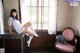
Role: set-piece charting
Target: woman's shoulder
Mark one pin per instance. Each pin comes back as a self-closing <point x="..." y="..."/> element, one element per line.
<point x="10" y="18"/>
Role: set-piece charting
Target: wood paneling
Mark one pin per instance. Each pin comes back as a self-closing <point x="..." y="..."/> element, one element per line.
<point x="43" y="41"/>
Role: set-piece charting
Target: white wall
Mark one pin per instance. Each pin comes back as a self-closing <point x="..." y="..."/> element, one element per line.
<point x="8" y="5"/>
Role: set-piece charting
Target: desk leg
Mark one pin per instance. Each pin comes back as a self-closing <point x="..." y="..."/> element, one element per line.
<point x="4" y="45"/>
<point x="22" y="45"/>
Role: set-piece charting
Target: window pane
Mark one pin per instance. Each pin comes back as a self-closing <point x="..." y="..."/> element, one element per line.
<point x="39" y="25"/>
<point x="26" y="2"/>
<point x="46" y="2"/>
<point x="42" y="16"/>
<point x="45" y="26"/>
<point x="45" y="19"/>
<point x="33" y="2"/>
<point x="33" y="14"/>
<point x="39" y="16"/>
<point x="42" y="13"/>
<point x="34" y="25"/>
<point x="40" y="2"/>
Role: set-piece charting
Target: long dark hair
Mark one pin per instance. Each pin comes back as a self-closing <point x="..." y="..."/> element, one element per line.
<point x="14" y="10"/>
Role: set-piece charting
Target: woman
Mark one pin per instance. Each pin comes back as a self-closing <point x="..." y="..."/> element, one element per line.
<point x="26" y="28"/>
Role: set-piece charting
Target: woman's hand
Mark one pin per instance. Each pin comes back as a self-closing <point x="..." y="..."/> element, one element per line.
<point x="12" y="33"/>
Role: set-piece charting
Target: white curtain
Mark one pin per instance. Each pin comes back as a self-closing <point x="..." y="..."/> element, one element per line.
<point x="52" y="17"/>
<point x="25" y="17"/>
<point x="1" y="18"/>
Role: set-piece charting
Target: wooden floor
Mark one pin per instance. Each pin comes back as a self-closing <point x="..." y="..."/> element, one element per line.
<point x="30" y="50"/>
<point x="40" y="50"/>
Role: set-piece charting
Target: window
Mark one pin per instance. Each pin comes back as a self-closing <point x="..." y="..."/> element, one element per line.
<point x="39" y="10"/>
<point x="42" y="14"/>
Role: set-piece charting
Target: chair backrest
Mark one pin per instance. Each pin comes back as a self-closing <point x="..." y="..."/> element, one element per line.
<point x="68" y="33"/>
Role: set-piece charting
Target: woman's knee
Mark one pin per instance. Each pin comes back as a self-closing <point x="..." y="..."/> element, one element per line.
<point x="29" y="23"/>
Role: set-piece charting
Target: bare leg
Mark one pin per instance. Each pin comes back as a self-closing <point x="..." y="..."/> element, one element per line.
<point x="27" y="25"/>
<point x="29" y="41"/>
<point x="30" y="32"/>
<point x="33" y="31"/>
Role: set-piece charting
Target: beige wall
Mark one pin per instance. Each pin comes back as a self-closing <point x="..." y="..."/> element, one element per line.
<point x="63" y="15"/>
<point x="68" y="16"/>
<point x="8" y="5"/>
<point x="75" y="19"/>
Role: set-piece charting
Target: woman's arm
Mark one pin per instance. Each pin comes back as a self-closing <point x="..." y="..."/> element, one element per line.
<point x="10" y="29"/>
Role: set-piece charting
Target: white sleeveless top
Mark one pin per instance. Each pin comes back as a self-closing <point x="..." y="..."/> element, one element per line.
<point x="16" y="24"/>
